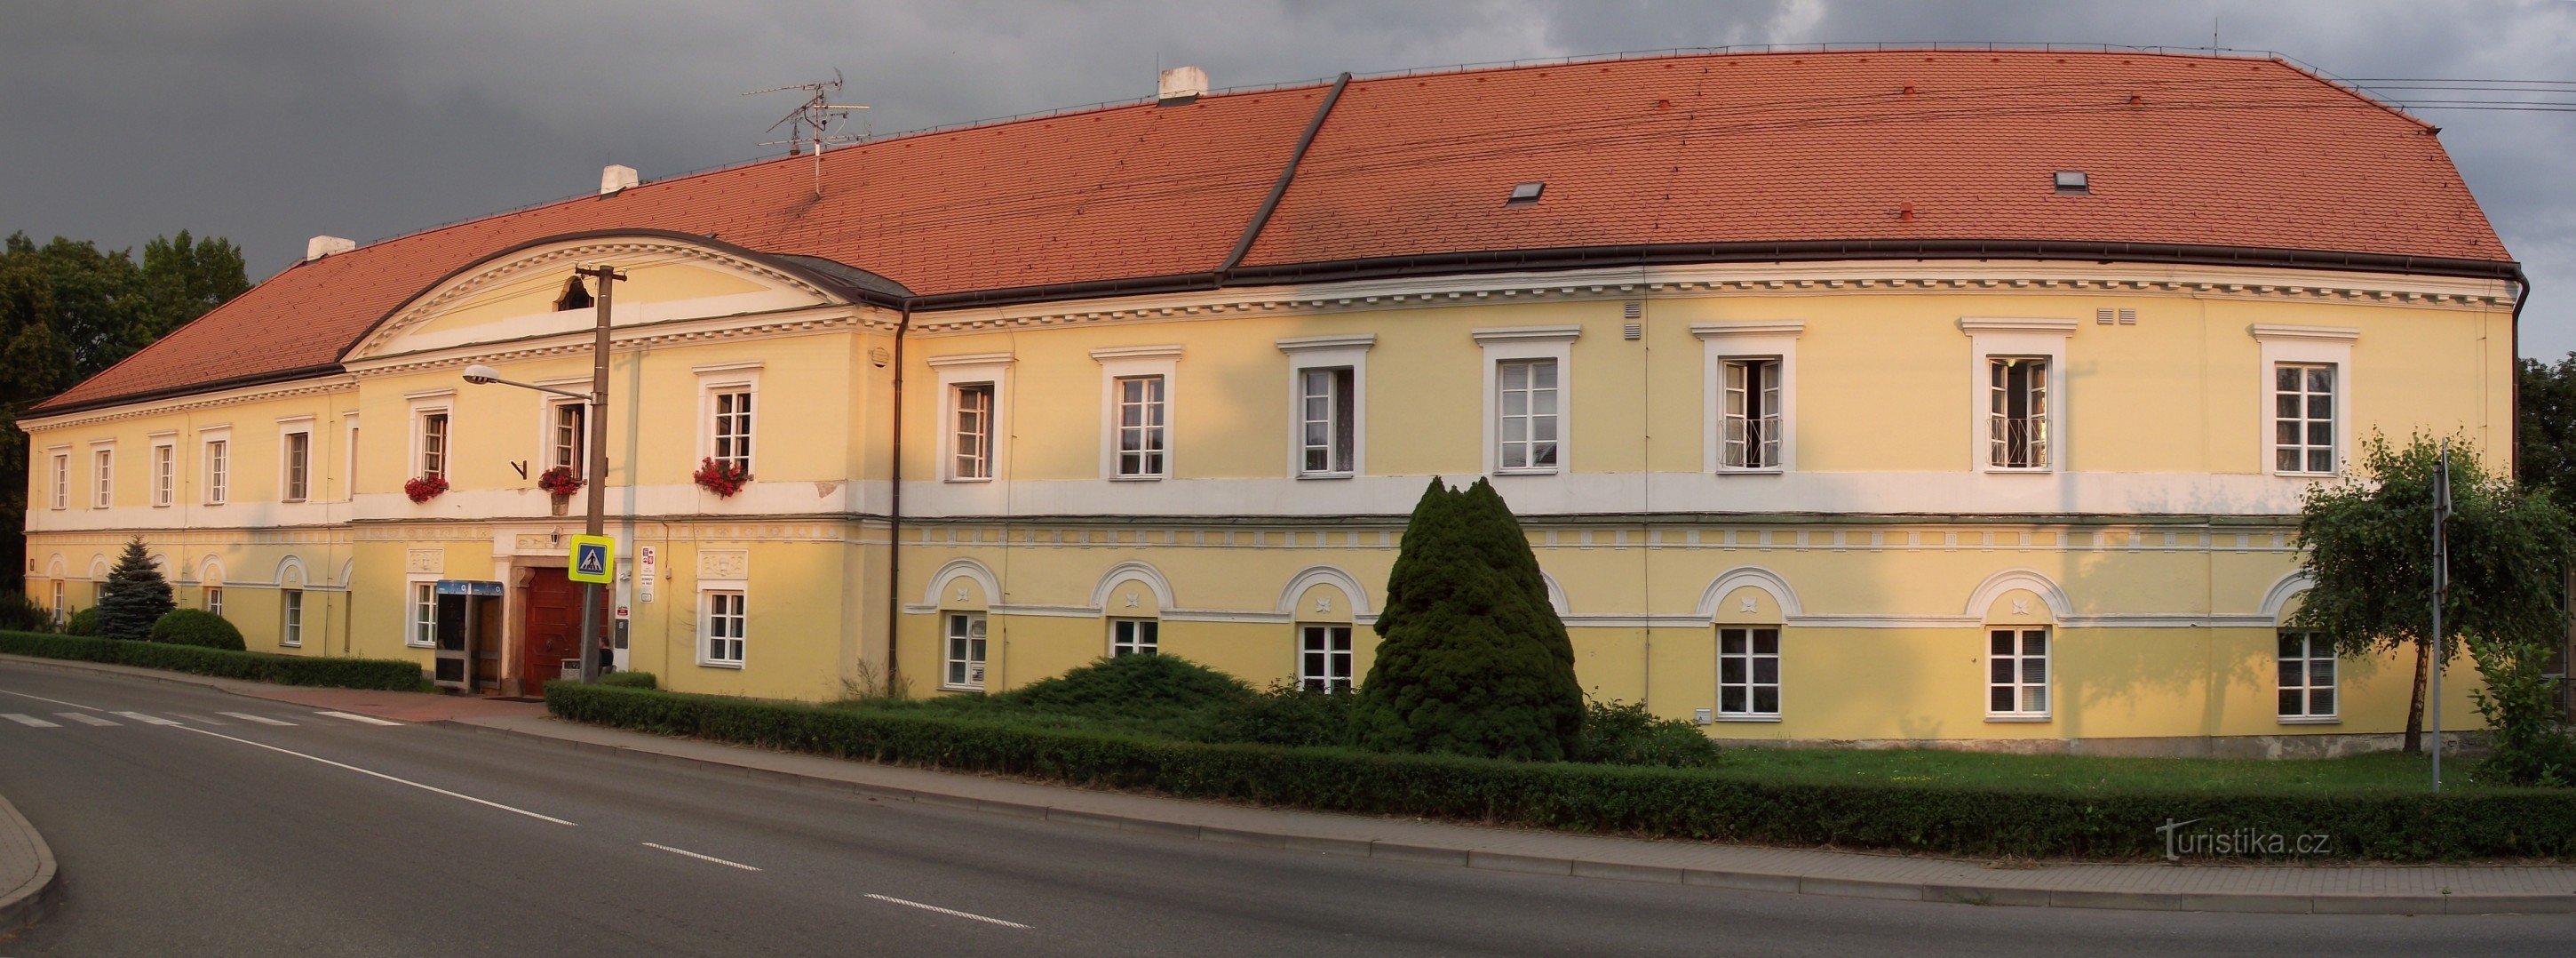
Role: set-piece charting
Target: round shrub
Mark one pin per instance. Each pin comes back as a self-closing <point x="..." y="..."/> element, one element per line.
<point x="1132" y="686"/>
<point x="629" y="680"/>
<point x="83" y="622"/>
<point x="196" y="627"/>
<point x="1619" y="733"/>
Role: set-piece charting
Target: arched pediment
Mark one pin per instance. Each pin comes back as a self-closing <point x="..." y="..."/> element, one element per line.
<point x="514" y="295"/>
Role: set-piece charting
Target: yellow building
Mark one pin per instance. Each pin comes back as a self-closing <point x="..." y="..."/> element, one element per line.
<point x="1957" y="397"/>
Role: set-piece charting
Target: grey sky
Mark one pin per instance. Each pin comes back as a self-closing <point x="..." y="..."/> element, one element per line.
<point x="271" y="120"/>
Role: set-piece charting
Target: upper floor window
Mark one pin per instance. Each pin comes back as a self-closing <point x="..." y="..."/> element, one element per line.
<point x="62" y="480"/>
<point x="568" y="437"/>
<point x="971" y="442"/>
<point x="731" y="428"/>
<point x="2307" y="676"/>
<point x="1526" y="404"/>
<point x="218" y="470"/>
<point x="1141" y="431"/>
<point x="2303" y="417"/>
<point x="1751" y="418"/>
<point x="296" y="483"/>
<point x="2017" y="413"/>
<point x="1134" y="637"/>
<point x="102" y="476"/>
<point x="1327" y="404"/>
<point x="433" y="443"/>
<point x="165" y="473"/>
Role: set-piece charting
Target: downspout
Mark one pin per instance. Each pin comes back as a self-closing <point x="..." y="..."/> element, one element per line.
<point x="894" y="512"/>
<point x="1287" y="175"/>
<point x="2513" y="419"/>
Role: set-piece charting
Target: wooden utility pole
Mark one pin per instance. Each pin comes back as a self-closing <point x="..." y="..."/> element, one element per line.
<point x="594" y="626"/>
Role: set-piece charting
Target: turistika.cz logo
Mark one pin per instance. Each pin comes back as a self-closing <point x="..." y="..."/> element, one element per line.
<point x="2239" y="842"/>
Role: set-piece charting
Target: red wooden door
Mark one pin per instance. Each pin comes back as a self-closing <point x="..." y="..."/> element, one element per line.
<point x="553" y="627"/>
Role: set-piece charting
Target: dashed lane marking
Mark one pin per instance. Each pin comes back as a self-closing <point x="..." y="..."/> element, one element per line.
<point x="29" y="720"/>
<point x="199" y="719"/>
<point x="703" y="858"/>
<point x="948" y="911"/>
<point x="355" y="717"/>
<point x="148" y="719"/>
<point x="261" y="719"/>
<point x="85" y="718"/>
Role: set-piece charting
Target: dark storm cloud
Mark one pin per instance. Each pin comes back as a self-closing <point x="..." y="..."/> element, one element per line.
<point x="272" y="121"/>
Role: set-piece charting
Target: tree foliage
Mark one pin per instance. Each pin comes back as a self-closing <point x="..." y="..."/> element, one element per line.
<point x="134" y="597"/>
<point x="2544" y="428"/>
<point x="2366" y="544"/>
<point x="1474" y="661"/>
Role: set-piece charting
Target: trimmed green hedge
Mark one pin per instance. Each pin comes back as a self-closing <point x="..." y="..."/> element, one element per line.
<point x="1709" y="804"/>
<point x="391" y="674"/>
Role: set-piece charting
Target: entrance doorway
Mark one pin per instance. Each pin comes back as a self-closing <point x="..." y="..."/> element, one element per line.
<point x="553" y="627"/>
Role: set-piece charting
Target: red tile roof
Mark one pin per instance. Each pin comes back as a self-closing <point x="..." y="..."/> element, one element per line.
<point x="1878" y="146"/>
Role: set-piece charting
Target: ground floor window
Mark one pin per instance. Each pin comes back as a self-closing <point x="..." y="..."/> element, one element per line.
<point x="60" y="616"/>
<point x="291" y="618"/>
<point x="1748" y="672"/>
<point x="214" y="598"/>
<point x="965" y="651"/>
<point x="2307" y="676"/>
<point x="1324" y="658"/>
<point x="424" y="614"/>
<point x="725" y="618"/>
<point x="1134" y="637"/>
<point x="2017" y="673"/>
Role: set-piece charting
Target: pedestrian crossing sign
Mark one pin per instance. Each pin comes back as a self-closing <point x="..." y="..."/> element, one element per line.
<point x="593" y="558"/>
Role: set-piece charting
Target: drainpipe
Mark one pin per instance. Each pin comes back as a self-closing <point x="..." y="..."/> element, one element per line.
<point x="894" y="511"/>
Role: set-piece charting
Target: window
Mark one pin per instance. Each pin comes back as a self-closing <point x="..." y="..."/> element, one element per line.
<point x="731" y="427"/>
<point x="568" y="438"/>
<point x="433" y="443"/>
<point x="1324" y="658"/>
<point x="214" y="598"/>
<point x="973" y="435"/>
<point x="62" y="480"/>
<point x="424" y="615"/>
<point x="218" y="470"/>
<point x="1751" y="417"/>
<point x="724" y="628"/>
<point x="291" y="628"/>
<point x="60" y="616"/>
<point x="1748" y="672"/>
<point x="2017" y="673"/>
<point x="165" y="473"/>
<point x="2307" y="676"/>
<point x="1326" y="418"/>
<point x="1527" y="405"/>
<point x="965" y="651"/>
<point x="1134" y="637"/>
<point x="1140" y="427"/>
<point x="297" y="483"/>
<point x="102" y="476"/>
<point x="2017" y="416"/>
<point x="2303" y="424"/>
<point x="349" y="470"/>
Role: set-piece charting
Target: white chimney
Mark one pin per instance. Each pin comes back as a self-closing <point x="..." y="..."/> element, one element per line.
<point x="1181" y="85"/>
<point x="615" y="177"/>
<point x="321" y="246"/>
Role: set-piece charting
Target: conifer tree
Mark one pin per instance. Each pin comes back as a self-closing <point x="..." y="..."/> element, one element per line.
<point x="134" y="596"/>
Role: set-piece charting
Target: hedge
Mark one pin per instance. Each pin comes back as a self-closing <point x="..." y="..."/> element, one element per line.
<point x="1707" y="804"/>
<point x="391" y="674"/>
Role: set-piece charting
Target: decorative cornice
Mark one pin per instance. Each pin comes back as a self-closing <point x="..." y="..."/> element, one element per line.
<point x="2000" y="324"/>
<point x="970" y="359"/>
<point x="1564" y="333"/>
<point x="421" y="308"/>
<point x="801" y="321"/>
<point x="1136" y="352"/>
<point x="336" y="382"/>
<point x="2321" y="334"/>
<point x="1298" y="344"/>
<point x="1713" y="330"/>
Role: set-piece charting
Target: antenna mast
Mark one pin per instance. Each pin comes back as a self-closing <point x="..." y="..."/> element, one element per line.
<point x="810" y="124"/>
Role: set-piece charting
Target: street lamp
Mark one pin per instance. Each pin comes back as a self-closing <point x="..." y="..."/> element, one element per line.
<point x="593" y="626"/>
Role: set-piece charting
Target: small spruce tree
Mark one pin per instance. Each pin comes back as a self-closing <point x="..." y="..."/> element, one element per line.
<point x="1473" y="660"/>
<point x="134" y="596"/>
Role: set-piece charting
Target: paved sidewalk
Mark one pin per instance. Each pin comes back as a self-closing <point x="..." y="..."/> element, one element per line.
<point x="26" y="871"/>
<point x="2385" y="889"/>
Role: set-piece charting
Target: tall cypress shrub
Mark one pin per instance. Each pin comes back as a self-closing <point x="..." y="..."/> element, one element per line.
<point x="1472" y="660"/>
<point x="134" y="596"/>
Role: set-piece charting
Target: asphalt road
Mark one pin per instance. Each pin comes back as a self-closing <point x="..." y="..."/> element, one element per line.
<point x="221" y="834"/>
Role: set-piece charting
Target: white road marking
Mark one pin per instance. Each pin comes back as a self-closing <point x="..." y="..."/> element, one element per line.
<point x="361" y="771"/>
<point x="703" y="858"/>
<point x="147" y="719"/>
<point x="30" y="720"/>
<point x="354" y="717"/>
<point x="199" y="719"/>
<point x="84" y="718"/>
<point x="41" y="698"/>
<point x="261" y="719"/>
<point x="949" y="911"/>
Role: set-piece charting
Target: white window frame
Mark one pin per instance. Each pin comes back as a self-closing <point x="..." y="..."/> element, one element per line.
<point x="287" y="429"/>
<point x="2006" y="338"/>
<point x="1328" y="352"/>
<point x="1750" y="683"/>
<point x="548" y="442"/>
<point x="165" y="470"/>
<point x="420" y="618"/>
<point x="62" y="475"/>
<point x="1135" y="637"/>
<point x="1518" y="343"/>
<point x="1315" y="647"/>
<point x="215" y="452"/>
<point x="2310" y="641"/>
<point x="290" y="618"/>
<point x="736" y="593"/>
<point x="2020" y="682"/>
<point x="349" y="453"/>
<point x="1720" y="342"/>
<point x="719" y="379"/>
<point x="213" y="599"/>
<point x="102" y="473"/>
<point x="2304" y="345"/>
<point x="968" y="370"/>
<point x="424" y="405"/>
<point x="1117" y="366"/>
<point x="954" y="626"/>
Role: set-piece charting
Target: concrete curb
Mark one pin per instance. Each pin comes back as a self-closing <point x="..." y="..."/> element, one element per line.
<point x="27" y="903"/>
<point x="1942" y="892"/>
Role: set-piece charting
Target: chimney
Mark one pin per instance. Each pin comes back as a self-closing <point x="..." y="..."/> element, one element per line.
<point x="615" y="177"/>
<point x="1180" y="85"/>
<point x="321" y="246"/>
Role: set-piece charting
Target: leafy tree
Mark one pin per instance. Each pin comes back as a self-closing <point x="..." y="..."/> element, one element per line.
<point x="134" y="597"/>
<point x="2367" y="544"/>
<point x="2545" y="428"/>
<point x="1473" y="661"/>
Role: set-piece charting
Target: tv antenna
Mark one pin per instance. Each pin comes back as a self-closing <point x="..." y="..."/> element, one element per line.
<point x="812" y="124"/>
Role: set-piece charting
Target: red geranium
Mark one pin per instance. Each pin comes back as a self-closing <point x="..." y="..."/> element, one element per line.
<point x="559" y="480"/>
<point x="722" y="478"/>
<point x="425" y="488"/>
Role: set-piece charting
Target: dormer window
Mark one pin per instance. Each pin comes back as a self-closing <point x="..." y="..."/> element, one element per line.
<point x="575" y="296"/>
